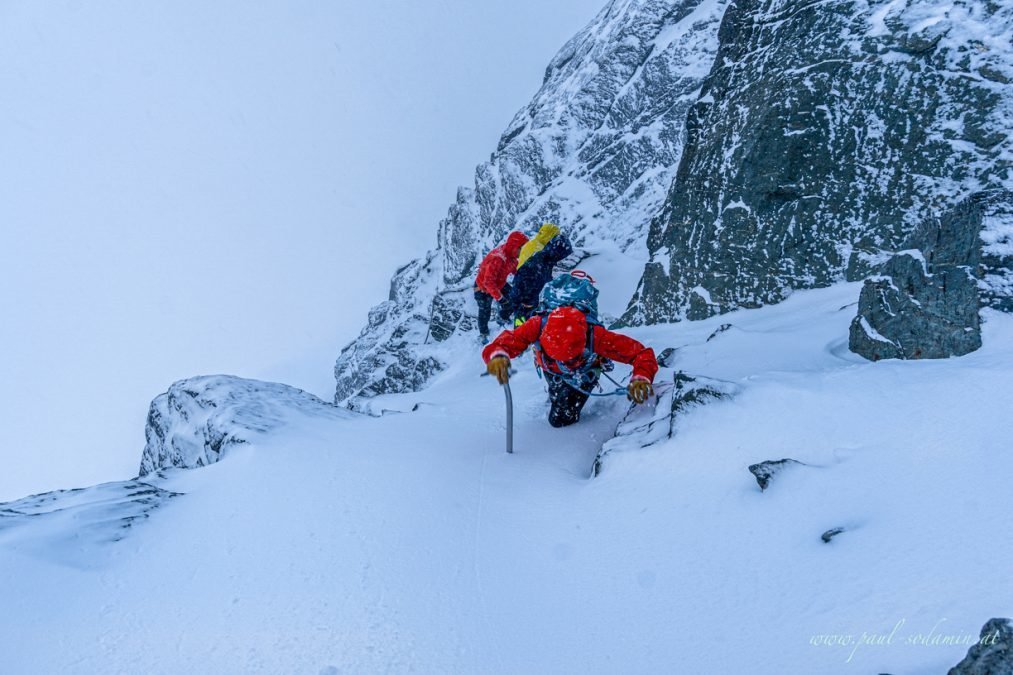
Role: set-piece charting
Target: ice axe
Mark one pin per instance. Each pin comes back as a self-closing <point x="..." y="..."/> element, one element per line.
<point x="510" y="413"/>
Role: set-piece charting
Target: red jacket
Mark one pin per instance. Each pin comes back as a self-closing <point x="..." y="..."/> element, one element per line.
<point x="500" y="264"/>
<point x="614" y="346"/>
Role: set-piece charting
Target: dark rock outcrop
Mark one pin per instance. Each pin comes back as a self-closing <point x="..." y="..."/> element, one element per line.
<point x="831" y="533"/>
<point x="595" y="152"/>
<point x="908" y="313"/>
<point x="993" y="653"/>
<point x="718" y="331"/>
<point x="197" y="420"/>
<point x="765" y="471"/>
<point x="924" y="302"/>
<point x="826" y="132"/>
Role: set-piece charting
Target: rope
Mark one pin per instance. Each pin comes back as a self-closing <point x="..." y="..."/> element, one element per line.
<point x="620" y="390"/>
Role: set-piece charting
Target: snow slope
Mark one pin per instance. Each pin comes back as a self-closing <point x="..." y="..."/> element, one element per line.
<point x="412" y="542"/>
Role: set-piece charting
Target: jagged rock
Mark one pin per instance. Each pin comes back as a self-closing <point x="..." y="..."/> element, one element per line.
<point x="925" y="301"/>
<point x="830" y="534"/>
<point x="197" y="420"/>
<point x="644" y="426"/>
<point x="446" y="316"/>
<point x="595" y="151"/>
<point x="993" y="653"/>
<point x="863" y="263"/>
<point x="826" y="128"/>
<point x="909" y="314"/>
<point x="765" y="471"/>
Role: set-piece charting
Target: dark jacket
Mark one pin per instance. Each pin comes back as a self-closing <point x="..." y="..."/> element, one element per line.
<point x="532" y="276"/>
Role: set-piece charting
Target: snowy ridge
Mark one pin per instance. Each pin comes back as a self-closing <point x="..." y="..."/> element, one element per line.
<point x="595" y="152"/>
<point x="195" y="422"/>
<point x="71" y="526"/>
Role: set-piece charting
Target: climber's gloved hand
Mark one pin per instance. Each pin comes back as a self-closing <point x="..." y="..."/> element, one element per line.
<point x="499" y="367"/>
<point x="640" y="390"/>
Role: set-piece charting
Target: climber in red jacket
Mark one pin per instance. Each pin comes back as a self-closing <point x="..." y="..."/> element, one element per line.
<point x="491" y="282"/>
<point x="570" y="352"/>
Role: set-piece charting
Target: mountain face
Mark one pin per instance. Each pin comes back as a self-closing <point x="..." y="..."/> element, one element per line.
<point x="595" y="151"/>
<point x="825" y="132"/>
<point x="753" y="147"/>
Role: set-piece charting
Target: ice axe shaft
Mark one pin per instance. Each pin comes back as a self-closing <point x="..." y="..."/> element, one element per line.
<point x="509" y="415"/>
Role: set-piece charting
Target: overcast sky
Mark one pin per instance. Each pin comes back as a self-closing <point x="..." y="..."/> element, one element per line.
<point x="192" y="187"/>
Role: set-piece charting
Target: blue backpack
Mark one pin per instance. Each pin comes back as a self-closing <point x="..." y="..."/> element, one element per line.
<point x="575" y="289"/>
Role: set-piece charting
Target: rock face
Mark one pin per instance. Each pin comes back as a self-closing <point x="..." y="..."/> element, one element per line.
<point x="925" y="301"/>
<point x="827" y="130"/>
<point x="993" y="654"/>
<point x="595" y="152"/>
<point x="197" y="420"/>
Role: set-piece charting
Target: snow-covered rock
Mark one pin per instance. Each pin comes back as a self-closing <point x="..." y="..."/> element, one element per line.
<point x="826" y="130"/>
<point x="924" y="301"/>
<point x="197" y="420"/>
<point x="908" y="313"/>
<point x="655" y="422"/>
<point x="191" y="425"/>
<point x="992" y="654"/>
<point x="595" y="152"/>
<point x="60" y="524"/>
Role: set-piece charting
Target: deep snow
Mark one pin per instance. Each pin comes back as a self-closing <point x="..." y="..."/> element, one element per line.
<point x="412" y="542"/>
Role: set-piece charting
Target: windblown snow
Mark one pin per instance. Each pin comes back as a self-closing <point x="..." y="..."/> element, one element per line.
<point x="412" y="542"/>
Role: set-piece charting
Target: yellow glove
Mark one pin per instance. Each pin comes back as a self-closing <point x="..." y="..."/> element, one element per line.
<point x="639" y="391"/>
<point x="499" y="367"/>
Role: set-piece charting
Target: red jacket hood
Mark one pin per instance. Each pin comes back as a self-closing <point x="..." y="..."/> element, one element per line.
<point x="514" y="243"/>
